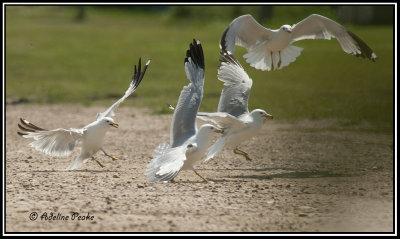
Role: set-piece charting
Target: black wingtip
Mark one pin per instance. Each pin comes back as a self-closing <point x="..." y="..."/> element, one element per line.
<point x="30" y="125"/>
<point x="139" y="74"/>
<point x="222" y="42"/>
<point x="195" y="52"/>
<point x="366" y="51"/>
<point x="228" y="57"/>
<point x="21" y="134"/>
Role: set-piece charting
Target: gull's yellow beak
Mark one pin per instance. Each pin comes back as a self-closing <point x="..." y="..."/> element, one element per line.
<point x="221" y="131"/>
<point x="268" y="116"/>
<point x="114" y="125"/>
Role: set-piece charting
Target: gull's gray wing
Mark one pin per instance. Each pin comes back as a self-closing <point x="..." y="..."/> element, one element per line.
<point x="136" y="79"/>
<point x="319" y="27"/>
<point x="184" y="118"/>
<point x="244" y="31"/>
<point x="234" y="97"/>
<point x="222" y="119"/>
<point x="56" y="142"/>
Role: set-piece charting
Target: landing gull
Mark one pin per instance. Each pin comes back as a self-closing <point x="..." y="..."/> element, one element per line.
<point x="62" y="142"/>
<point x="233" y="115"/>
<point x="272" y="49"/>
<point x="188" y="145"/>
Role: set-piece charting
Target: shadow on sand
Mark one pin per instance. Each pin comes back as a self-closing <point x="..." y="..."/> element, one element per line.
<point x="293" y="174"/>
<point x="73" y="171"/>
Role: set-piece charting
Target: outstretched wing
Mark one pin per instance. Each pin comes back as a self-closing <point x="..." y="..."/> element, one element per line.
<point x="244" y="31"/>
<point x="184" y="118"/>
<point x="234" y="97"/>
<point x="57" y="142"/>
<point x="136" y="79"/>
<point x="222" y="119"/>
<point x="319" y="27"/>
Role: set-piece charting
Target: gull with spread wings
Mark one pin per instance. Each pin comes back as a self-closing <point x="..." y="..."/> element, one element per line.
<point x="233" y="115"/>
<point x="272" y="49"/>
<point x="62" y="142"/>
<point x="188" y="144"/>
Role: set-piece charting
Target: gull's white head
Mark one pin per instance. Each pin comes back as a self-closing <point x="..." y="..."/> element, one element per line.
<point x="260" y="114"/>
<point x="286" y="28"/>
<point x="107" y="121"/>
<point x="208" y="129"/>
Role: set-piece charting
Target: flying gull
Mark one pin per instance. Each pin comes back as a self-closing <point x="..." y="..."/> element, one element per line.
<point x="272" y="49"/>
<point x="62" y="142"/>
<point x="188" y="145"/>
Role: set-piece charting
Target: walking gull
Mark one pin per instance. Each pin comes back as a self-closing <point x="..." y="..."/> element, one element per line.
<point x="233" y="115"/>
<point x="62" y="142"/>
<point x="188" y="145"/>
<point x="272" y="49"/>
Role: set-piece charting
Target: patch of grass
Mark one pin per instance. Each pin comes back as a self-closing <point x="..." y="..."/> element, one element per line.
<point x="52" y="57"/>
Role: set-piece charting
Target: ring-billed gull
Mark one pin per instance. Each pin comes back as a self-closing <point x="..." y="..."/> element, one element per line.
<point x="188" y="145"/>
<point x="62" y="142"/>
<point x="272" y="49"/>
<point x="233" y="115"/>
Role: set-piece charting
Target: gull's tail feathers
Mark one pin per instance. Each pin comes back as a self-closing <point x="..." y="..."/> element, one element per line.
<point x="289" y="55"/>
<point x="77" y="163"/>
<point x="264" y="60"/>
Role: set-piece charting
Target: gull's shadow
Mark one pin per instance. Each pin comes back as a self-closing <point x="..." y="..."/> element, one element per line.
<point x="248" y="169"/>
<point x="293" y="173"/>
<point x="76" y="171"/>
<point x="302" y="174"/>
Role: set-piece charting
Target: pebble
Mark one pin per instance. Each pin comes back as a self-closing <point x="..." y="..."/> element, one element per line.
<point x="140" y="186"/>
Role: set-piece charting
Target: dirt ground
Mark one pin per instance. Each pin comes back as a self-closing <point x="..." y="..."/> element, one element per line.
<point x="304" y="177"/>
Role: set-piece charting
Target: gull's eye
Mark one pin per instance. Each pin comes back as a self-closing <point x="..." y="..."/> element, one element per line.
<point x="107" y="121"/>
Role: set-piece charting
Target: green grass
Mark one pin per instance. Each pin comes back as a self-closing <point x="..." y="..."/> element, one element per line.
<point x="50" y="57"/>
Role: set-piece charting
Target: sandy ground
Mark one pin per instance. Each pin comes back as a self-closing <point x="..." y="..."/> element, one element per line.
<point x="303" y="178"/>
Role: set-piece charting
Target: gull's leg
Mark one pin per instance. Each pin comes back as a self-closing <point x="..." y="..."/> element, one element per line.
<point x="205" y="180"/>
<point x="272" y="62"/>
<point x="101" y="165"/>
<point x="172" y="181"/>
<point x="244" y="154"/>
<point x="280" y="60"/>
<point x="112" y="157"/>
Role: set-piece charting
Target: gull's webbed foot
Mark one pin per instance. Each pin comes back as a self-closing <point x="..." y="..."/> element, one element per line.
<point x="112" y="157"/>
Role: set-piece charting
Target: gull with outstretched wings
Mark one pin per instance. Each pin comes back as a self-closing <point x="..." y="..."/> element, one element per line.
<point x="272" y="49"/>
<point x="187" y="143"/>
<point x="233" y="115"/>
<point x="62" y="142"/>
